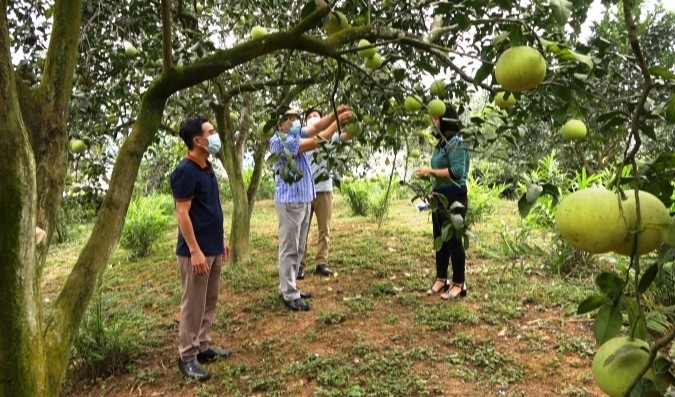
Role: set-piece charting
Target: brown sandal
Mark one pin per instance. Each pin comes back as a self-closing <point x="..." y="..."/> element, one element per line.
<point x="443" y="282"/>
<point x="456" y="290"/>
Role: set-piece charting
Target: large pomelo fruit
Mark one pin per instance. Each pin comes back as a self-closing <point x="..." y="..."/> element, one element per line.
<point x="520" y="68"/>
<point x="590" y="219"/>
<point x="653" y="212"/>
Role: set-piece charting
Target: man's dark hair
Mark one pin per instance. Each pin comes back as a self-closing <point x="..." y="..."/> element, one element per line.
<point x="311" y="110"/>
<point x="189" y="129"/>
<point x="450" y="124"/>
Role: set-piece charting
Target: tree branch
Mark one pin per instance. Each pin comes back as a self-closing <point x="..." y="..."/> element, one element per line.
<point x="167" y="62"/>
<point x="57" y="79"/>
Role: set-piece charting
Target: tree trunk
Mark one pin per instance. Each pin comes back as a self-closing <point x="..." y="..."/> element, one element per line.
<point x="256" y="177"/>
<point x="232" y="159"/>
<point x="64" y="320"/>
<point x="22" y="368"/>
<point x="34" y="353"/>
<point x="241" y="223"/>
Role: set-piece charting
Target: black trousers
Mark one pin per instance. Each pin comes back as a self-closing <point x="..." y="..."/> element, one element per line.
<point x="453" y="248"/>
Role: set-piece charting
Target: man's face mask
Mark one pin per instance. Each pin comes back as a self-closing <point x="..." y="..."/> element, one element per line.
<point x="214" y="144"/>
<point x="295" y="128"/>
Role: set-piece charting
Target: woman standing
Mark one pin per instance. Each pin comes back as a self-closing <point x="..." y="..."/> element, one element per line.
<point x="450" y="167"/>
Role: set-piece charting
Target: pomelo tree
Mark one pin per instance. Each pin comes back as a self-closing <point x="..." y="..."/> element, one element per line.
<point x="88" y="83"/>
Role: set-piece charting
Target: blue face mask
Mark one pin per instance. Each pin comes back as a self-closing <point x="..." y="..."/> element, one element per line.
<point x="214" y="144"/>
<point x="295" y="128"/>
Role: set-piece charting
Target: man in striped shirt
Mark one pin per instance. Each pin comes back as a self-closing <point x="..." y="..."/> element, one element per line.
<point x="294" y="193"/>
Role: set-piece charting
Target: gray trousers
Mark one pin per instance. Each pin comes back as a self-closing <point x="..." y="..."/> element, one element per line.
<point x="293" y="227"/>
<point x="198" y="306"/>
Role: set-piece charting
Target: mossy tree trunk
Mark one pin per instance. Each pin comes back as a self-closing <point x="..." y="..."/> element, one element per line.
<point x="232" y="157"/>
<point x="33" y="139"/>
<point x="22" y="369"/>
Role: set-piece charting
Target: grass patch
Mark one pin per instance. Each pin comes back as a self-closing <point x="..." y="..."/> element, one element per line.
<point x="371" y="330"/>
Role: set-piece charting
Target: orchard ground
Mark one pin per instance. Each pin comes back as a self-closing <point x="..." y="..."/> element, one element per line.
<point x="371" y="331"/>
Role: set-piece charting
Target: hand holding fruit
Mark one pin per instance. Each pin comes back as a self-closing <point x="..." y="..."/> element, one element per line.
<point x="345" y="116"/>
<point x="424" y="172"/>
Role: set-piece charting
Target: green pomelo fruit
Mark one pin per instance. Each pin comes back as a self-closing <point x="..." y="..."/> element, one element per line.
<point x="374" y="62"/>
<point x="368" y="52"/>
<point x="354" y="129"/>
<point x="503" y="102"/>
<point x="412" y="103"/>
<point x="573" y="129"/>
<point x="438" y="88"/>
<point x="652" y="212"/>
<point x="590" y="219"/>
<point x="258" y="32"/>
<point x="77" y="146"/>
<point x="436" y="108"/>
<point x="520" y="68"/>
<point x="617" y="362"/>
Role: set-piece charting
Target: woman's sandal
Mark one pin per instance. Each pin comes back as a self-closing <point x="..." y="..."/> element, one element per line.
<point x="455" y="291"/>
<point x="441" y="285"/>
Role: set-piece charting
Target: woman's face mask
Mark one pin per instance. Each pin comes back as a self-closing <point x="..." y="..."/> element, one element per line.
<point x="312" y="120"/>
<point x="435" y="131"/>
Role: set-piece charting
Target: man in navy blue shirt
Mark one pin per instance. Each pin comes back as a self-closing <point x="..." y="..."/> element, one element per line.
<point x="201" y="247"/>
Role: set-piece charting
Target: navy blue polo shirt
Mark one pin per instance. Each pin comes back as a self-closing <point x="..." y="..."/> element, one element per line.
<point x="195" y="182"/>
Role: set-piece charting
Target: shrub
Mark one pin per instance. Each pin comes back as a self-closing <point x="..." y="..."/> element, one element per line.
<point x="146" y="220"/>
<point x="101" y="348"/>
<point x="356" y="194"/>
<point x="482" y="199"/>
<point x="369" y="197"/>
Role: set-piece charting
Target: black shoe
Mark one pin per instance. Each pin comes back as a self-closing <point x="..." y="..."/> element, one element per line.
<point x="323" y="270"/>
<point x="306" y="295"/>
<point x="301" y="273"/>
<point x="212" y="354"/>
<point x="192" y="369"/>
<point x="297" y="305"/>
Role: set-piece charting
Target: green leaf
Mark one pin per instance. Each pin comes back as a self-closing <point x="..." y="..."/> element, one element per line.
<point x="550" y="46"/>
<point x="483" y="72"/>
<point x="569" y="55"/>
<point x="635" y="317"/>
<point x="670" y="109"/>
<point x="438" y="243"/>
<point x="607" y="324"/>
<point x="609" y="282"/>
<point x="272" y="159"/>
<point x="399" y="74"/>
<point x="648" y="130"/>
<point x="500" y="38"/>
<point x="523" y="206"/>
<point x="447" y="232"/>
<point x="661" y="365"/>
<point x="647" y="278"/>
<point x="553" y="191"/>
<point x="662" y="72"/>
<point x="591" y="303"/>
<point x="561" y="10"/>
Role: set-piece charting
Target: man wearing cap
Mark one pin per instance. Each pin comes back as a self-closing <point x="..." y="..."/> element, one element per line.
<point x="294" y="193"/>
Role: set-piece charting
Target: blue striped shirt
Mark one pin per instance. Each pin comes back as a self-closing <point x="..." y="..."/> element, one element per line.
<point x="301" y="191"/>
